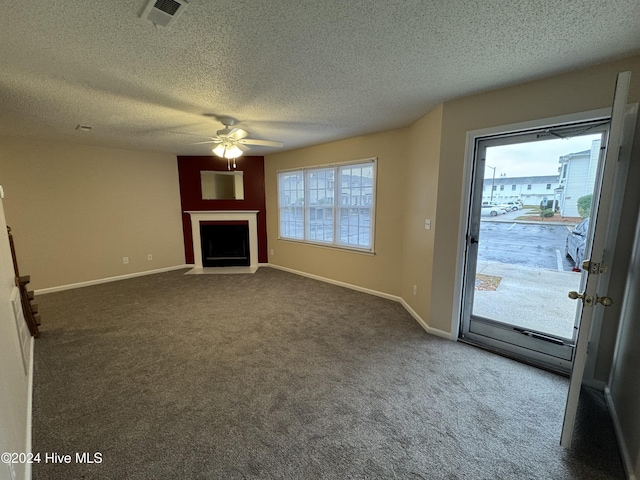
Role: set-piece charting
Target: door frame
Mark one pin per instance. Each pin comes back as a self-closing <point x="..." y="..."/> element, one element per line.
<point x="468" y="170"/>
<point x="538" y="347"/>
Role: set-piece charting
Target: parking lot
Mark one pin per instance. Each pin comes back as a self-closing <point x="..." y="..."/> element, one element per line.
<point x="530" y="245"/>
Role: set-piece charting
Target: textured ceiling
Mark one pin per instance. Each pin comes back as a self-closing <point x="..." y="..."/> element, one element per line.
<point x="299" y="71"/>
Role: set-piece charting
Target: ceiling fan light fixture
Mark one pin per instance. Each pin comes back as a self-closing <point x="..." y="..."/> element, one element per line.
<point x="219" y="150"/>
<point x="233" y="151"/>
<point x="227" y="151"/>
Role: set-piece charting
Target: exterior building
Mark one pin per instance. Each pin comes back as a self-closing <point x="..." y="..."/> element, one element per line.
<point x="577" y="178"/>
<point x="529" y="190"/>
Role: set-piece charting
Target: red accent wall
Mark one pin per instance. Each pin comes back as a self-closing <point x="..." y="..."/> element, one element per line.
<point x="191" y="197"/>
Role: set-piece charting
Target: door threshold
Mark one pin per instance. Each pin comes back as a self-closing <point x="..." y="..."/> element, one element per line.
<point x="516" y="357"/>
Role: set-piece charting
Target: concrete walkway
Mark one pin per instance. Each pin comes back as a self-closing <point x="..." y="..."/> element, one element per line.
<point x="528" y="298"/>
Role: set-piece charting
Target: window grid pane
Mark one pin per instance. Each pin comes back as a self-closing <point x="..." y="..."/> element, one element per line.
<point x="291" y="202"/>
<point x="332" y="205"/>
<point x="320" y="192"/>
<point x="356" y="202"/>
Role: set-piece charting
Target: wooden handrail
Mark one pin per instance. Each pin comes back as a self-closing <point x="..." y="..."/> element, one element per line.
<point x="29" y="309"/>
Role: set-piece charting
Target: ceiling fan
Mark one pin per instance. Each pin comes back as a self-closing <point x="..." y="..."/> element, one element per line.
<point x="231" y="141"/>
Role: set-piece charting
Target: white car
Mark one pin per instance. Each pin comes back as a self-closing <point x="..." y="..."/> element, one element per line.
<point x="491" y="210"/>
<point x="500" y="208"/>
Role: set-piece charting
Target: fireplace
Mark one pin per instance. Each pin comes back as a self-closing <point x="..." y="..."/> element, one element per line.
<point x="225" y="244"/>
<point x="246" y="218"/>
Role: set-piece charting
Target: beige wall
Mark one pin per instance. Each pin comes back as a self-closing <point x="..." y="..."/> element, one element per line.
<point x="76" y="210"/>
<point x="421" y="189"/>
<point x="380" y="272"/>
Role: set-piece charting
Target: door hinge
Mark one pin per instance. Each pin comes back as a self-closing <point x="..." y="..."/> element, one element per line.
<point x="594" y="268"/>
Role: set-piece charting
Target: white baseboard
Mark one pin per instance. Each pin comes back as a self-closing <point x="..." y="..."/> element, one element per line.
<point x="622" y="445"/>
<point x="433" y="331"/>
<point x="337" y="282"/>
<point x="108" y="279"/>
<point x="395" y="298"/>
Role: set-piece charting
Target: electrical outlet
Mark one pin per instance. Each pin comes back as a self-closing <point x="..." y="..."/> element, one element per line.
<point x="415" y="289"/>
<point x="150" y="257"/>
<point x="427" y="224"/>
<point x="125" y="260"/>
<point x="271" y="251"/>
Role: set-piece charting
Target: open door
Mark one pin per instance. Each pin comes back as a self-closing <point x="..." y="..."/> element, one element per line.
<point x="519" y="265"/>
<point x="604" y="226"/>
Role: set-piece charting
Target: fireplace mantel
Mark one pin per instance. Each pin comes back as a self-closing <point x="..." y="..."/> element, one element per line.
<point x="250" y="216"/>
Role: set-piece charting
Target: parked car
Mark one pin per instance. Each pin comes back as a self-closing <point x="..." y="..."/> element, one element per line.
<point x="500" y="209"/>
<point x="513" y="206"/>
<point x="576" y="242"/>
<point x="491" y="210"/>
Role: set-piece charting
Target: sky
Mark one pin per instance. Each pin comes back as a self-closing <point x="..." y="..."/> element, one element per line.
<point x="534" y="158"/>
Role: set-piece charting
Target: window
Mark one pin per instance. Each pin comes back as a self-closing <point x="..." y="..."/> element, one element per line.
<point x="495" y="187"/>
<point x="529" y="187"/>
<point x="291" y="203"/>
<point x="501" y="188"/>
<point x="548" y="186"/>
<point x="330" y="205"/>
<point x="513" y="188"/>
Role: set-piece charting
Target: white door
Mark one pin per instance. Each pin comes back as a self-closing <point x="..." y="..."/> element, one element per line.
<point x="604" y="228"/>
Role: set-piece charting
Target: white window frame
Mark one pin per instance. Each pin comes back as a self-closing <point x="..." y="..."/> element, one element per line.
<point x="336" y="206"/>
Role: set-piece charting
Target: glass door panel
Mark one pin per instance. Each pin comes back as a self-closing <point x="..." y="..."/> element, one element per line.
<point x="528" y="236"/>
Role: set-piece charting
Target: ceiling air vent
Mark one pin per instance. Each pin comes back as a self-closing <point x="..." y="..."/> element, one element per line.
<point x="163" y="12"/>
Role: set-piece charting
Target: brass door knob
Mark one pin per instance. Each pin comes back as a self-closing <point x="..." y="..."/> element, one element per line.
<point x="605" y="301"/>
<point x="589" y="300"/>
<point x="586" y="299"/>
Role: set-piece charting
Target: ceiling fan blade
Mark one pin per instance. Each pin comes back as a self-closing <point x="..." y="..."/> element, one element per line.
<point x="238" y="133"/>
<point x="213" y="140"/>
<point x="262" y="143"/>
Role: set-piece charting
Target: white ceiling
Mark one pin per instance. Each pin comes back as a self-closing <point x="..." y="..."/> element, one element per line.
<point x="299" y="71"/>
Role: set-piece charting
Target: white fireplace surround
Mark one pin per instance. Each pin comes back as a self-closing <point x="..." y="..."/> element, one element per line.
<point x="250" y="216"/>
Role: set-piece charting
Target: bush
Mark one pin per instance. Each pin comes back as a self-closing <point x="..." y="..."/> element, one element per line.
<point x="584" y="205"/>
<point x="547" y="213"/>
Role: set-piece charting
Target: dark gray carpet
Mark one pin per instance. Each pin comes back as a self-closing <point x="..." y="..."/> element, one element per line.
<point x="276" y="376"/>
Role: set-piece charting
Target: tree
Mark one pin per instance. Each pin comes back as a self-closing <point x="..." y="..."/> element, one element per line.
<point x="584" y="205"/>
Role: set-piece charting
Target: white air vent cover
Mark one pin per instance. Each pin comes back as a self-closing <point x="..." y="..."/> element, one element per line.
<point x="163" y="12"/>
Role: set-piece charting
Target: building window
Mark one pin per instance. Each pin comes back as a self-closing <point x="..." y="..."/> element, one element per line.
<point x="548" y="186"/>
<point x="513" y="188"/>
<point x="501" y="188"/>
<point x="529" y="187"/>
<point x="331" y="205"/>
<point x="495" y="187"/>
